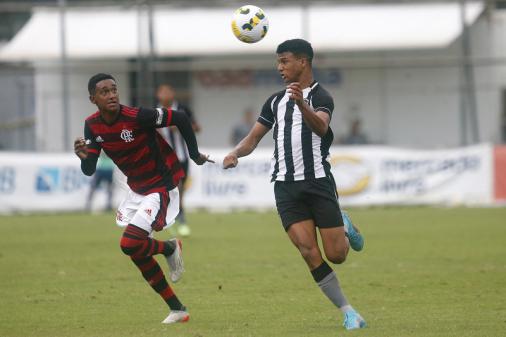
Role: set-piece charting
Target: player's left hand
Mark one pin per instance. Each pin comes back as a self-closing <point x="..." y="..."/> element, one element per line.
<point x="81" y="148"/>
<point x="295" y="92"/>
<point x="202" y="159"/>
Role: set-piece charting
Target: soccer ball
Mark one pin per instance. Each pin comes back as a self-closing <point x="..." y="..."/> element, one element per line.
<point x="250" y="24"/>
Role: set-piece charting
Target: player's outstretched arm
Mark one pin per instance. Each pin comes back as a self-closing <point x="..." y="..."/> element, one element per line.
<point x="183" y="123"/>
<point x="245" y="146"/>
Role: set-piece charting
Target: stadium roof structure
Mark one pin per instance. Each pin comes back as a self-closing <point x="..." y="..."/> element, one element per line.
<point x="119" y="32"/>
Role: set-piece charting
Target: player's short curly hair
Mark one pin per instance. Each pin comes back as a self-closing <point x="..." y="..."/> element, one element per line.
<point x="92" y="83"/>
<point x="297" y="47"/>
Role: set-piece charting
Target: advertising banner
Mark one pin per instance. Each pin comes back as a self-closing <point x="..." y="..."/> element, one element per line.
<point x="380" y="175"/>
<point x="42" y="182"/>
<point x="365" y="175"/>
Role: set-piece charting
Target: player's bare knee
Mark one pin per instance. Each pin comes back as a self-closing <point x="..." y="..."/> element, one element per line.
<point x="336" y="257"/>
<point x="309" y="253"/>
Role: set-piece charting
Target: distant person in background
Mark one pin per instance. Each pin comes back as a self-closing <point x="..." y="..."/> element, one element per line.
<point x="355" y="136"/>
<point x="103" y="174"/>
<point x="166" y="96"/>
<point x="241" y="130"/>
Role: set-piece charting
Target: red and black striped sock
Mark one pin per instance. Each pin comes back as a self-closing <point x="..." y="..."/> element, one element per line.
<point x="153" y="274"/>
<point x="135" y="242"/>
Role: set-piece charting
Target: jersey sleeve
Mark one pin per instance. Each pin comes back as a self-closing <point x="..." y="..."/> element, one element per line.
<point x="188" y="113"/>
<point x="322" y="101"/>
<point x="94" y="148"/>
<point x="154" y="118"/>
<point x="266" y="117"/>
<point x="89" y="165"/>
<point x="183" y="123"/>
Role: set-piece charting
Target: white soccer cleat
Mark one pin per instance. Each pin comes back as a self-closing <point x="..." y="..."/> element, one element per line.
<point x="175" y="261"/>
<point x="177" y="316"/>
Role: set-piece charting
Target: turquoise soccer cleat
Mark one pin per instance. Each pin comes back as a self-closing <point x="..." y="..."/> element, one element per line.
<point x="356" y="239"/>
<point x="353" y="320"/>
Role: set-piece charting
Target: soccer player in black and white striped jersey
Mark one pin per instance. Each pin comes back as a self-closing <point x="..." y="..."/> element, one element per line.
<point x="304" y="188"/>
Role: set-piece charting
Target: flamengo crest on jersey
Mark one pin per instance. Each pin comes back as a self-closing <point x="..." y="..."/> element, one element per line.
<point x="127" y="135"/>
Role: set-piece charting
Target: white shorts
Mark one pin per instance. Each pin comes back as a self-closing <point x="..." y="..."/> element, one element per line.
<point x="152" y="212"/>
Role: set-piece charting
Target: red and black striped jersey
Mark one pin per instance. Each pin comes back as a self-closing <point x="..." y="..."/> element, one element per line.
<point x="135" y="146"/>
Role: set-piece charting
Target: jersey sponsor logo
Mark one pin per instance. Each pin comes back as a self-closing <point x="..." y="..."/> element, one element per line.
<point x="127" y="135"/>
<point x="99" y="139"/>
<point x="159" y="118"/>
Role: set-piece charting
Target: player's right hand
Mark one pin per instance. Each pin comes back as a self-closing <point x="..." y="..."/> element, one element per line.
<point x="230" y="161"/>
<point x="202" y="159"/>
<point x="80" y="148"/>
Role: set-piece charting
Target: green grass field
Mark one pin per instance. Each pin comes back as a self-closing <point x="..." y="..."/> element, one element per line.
<point x="424" y="272"/>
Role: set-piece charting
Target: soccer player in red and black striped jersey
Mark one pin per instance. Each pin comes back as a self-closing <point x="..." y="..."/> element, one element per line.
<point x="128" y="136"/>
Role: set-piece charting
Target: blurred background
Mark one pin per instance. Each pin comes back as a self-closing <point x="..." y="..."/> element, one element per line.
<point x="418" y="75"/>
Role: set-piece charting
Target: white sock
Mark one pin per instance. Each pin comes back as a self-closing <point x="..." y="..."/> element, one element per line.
<point x="345" y="308"/>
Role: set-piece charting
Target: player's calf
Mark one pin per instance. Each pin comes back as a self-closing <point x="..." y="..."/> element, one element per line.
<point x="336" y="253"/>
<point x="335" y="244"/>
<point x="136" y="243"/>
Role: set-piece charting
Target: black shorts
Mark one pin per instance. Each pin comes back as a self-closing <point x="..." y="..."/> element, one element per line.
<point x="308" y="199"/>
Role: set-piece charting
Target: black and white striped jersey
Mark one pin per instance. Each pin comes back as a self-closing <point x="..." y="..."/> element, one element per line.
<point x="299" y="154"/>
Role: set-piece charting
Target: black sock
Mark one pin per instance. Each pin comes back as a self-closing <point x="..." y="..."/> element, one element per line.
<point x="319" y="273"/>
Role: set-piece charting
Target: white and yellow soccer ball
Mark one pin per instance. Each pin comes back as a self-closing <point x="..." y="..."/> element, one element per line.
<point x="250" y="24"/>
